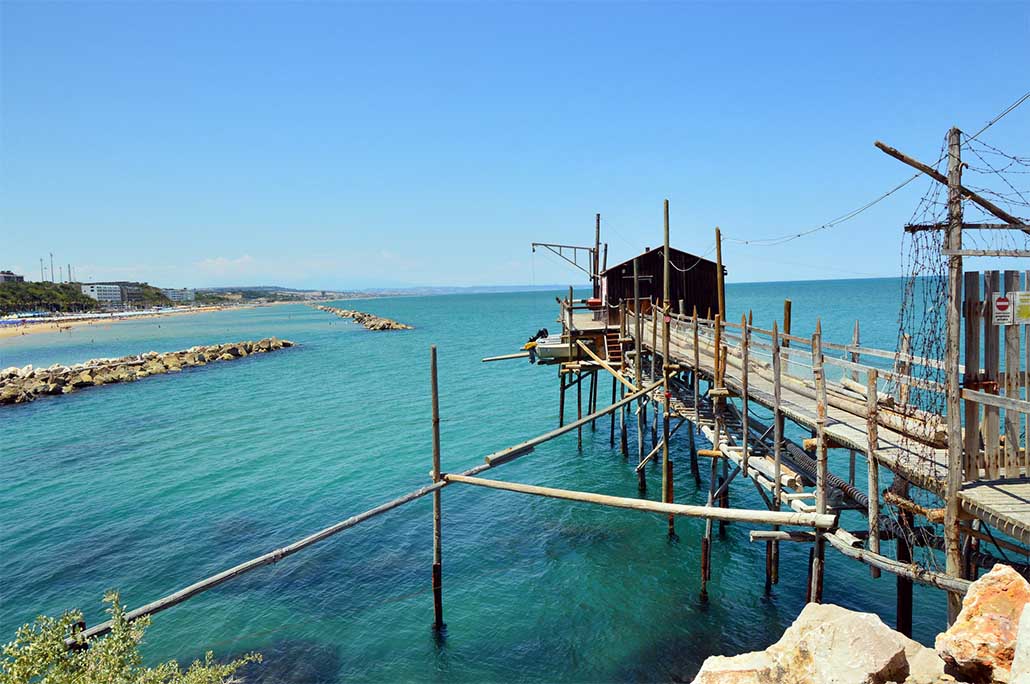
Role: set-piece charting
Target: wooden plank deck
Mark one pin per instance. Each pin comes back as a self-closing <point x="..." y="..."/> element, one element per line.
<point x="1004" y="505"/>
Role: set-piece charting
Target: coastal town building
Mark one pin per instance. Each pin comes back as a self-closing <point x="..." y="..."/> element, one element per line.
<point x="180" y="295"/>
<point x="131" y="293"/>
<point x="11" y="277"/>
<point x="105" y="293"/>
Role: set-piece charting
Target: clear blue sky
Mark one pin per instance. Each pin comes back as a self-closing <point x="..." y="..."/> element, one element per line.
<point x="346" y="145"/>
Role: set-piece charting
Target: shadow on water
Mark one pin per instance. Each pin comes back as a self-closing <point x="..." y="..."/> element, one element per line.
<point x="293" y="661"/>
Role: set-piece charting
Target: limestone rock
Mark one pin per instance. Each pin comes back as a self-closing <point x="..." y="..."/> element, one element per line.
<point x="1020" y="673"/>
<point x="827" y="644"/>
<point x="980" y="646"/>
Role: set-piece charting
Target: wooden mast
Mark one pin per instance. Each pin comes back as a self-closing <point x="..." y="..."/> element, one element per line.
<point x="438" y="623"/>
<point x="953" y="243"/>
<point x="667" y="493"/>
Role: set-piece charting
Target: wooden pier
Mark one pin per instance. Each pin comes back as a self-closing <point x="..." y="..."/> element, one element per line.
<point x="959" y="477"/>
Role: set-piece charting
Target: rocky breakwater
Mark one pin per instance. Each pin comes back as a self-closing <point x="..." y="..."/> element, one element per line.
<point x="21" y="385"/>
<point x="988" y="644"/>
<point x="370" y="321"/>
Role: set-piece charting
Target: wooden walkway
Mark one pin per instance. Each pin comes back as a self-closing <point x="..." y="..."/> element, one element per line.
<point x="1003" y="504"/>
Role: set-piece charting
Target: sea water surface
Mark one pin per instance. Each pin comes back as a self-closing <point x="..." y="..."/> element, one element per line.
<point x="150" y="486"/>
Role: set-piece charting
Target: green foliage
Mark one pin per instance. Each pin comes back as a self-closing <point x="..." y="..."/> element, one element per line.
<point x="47" y="296"/>
<point x="38" y="655"/>
<point x="152" y="296"/>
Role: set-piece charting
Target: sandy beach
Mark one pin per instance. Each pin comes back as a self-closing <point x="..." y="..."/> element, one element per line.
<point x="51" y="325"/>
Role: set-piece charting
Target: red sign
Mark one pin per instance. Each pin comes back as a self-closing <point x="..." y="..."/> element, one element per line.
<point x="1001" y="303"/>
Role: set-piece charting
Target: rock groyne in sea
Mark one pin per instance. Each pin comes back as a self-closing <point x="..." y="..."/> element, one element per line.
<point x="22" y="385"/>
<point x="370" y="321"/>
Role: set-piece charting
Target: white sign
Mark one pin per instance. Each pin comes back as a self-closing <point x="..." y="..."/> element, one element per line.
<point x="1003" y="308"/>
<point x="1022" y="307"/>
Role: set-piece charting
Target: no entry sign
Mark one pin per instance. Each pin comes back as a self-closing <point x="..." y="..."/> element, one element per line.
<point x="1002" y="313"/>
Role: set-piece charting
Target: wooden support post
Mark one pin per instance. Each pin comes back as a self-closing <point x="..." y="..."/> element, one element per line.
<point x="591" y="401"/>
<point x="611" y="436"/>
<point x="667" y="480"/>
<point x="991" y="420"/>
<point x="654" y="340"/>
<point x="638" y="338"/>
<point x="579" y="409"/>
<point x="693" y="454"/>
<point x="720" y="282"/>
<point x="624" y="413"/>
<point x="904" y="553"/>
<point x="953" y="243"/>
<point x="570" y="324"/>
<point x="1013" y="457"/>
<point x="774" y="570"/>
<point x="903" y="366"/>
<point x="973" y="314"/>
<point x="697" y="369"/>
<point x="438" y="623"/>
<point x="745" y="336"/>
<point x="561" y="397"/>
<point x="855" y="356"/>
<point x="873" y="467"/>
<point x="818" y="549"/>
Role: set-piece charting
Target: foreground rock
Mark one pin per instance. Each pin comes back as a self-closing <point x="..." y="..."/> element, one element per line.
<point x="981" y="645"/>
<point x="828" y="644"/>
<point x="21" y="385"/>
<point x="370" y="321"/>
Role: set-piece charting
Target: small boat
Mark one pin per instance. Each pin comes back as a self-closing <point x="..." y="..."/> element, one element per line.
<point x="552" y="348"/>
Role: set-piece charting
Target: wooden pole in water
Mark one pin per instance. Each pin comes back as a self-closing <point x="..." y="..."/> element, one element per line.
<point x="818" y="550"/>
<point x="953" y="242"/>
<point x="773" y="570"/>
<point x="438" y="623"/>
<point x="579" y="409"/>
<point x="571" y="343"/>
<point x="561" y="397"/>
<point x="719" y="274"/>
<point x="695" y="379"/>
<point x="873" y="469"/>
<point x="611" y="436"/>
<point x="638" y="372"/>
<point x="667" y="481"/>
<point x="591" y="402"/>
<point x="745" y="334"/>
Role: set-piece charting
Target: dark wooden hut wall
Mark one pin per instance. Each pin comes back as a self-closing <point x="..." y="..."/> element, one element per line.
<point x="696" y="287"/>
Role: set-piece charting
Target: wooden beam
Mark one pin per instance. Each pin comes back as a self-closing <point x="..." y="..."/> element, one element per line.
<point x="953" y="585"/>
<point x="941" y="178"/>
<point x="709" y="512"/>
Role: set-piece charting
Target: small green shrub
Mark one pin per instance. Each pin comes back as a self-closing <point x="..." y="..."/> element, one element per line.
<point x="38" y="655"/>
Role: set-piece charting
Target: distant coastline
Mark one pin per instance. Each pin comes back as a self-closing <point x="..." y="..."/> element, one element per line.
<point x="16" y="327"/>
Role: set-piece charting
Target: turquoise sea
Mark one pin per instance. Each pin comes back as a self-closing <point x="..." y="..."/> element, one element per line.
<point x="149" y="486"/>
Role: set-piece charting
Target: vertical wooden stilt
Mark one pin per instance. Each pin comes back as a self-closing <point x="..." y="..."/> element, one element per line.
<point x="904" y="553"/>
<point x="624" y="413"/>
<point x="693" y="454"/>
<point x="611" y="436"/>
<point x="591" y="401"/>
<point x="953" y="241"/>
<point x="561" y="398"/>
<point x="579" y="409"/>
<point x="697" y="371"/>
<point x="667" y="479"/>
<point x="438" y="623"/>
<point x="818" y="548"/>
<point x="873" y="468"/>
<point x="745" y="335"/>
<point x="774" y="573"/>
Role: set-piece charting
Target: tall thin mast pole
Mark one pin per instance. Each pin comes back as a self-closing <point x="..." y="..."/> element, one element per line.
<point x="666" y="463"/>
<point x="597" y="258"/>
<point x="953" y="242"/>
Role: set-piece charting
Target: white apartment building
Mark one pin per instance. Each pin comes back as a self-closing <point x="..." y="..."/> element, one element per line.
<point x="102" y="292"/>
<point x="181" y="295"/>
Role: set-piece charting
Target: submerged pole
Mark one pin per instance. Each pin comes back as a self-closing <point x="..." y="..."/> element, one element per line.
<point x="438" y="623"/>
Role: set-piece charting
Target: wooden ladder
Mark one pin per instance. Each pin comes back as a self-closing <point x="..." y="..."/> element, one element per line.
<point x="613" y="348"/>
